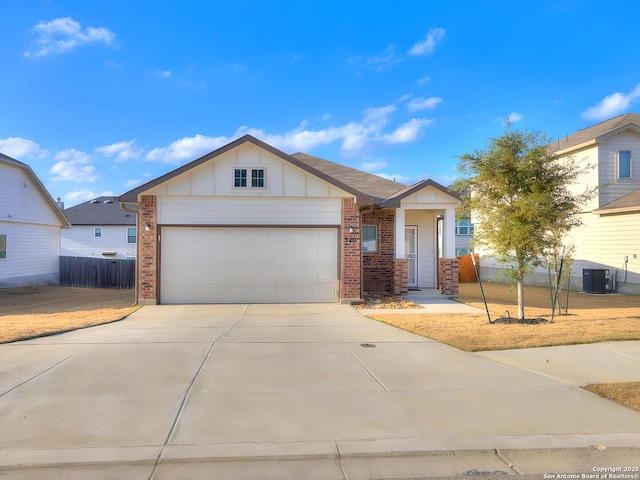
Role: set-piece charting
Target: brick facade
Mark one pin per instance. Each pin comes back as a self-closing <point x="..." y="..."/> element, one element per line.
<point x="400" y="276"/>
<point x="350" y="252"/>
<point x="449" y="280"/>
<point x="379" y="268"/>
<point x="147" y="274"/>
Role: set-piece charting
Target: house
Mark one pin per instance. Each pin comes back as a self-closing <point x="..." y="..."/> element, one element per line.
<point x="248" y="223"/>
<point x="100" y="229"/>
<point x="609" y="237"/>
<point x="30" y="223"/>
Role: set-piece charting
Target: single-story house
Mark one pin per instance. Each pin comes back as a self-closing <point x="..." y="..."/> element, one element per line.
<point x="248" y="223"/>
<point x="100" y="229"/>
<point x="608" y="241"/>
<point x="30" y="224"/>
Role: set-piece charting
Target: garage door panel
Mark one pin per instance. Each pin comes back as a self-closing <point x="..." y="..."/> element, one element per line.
<point x="249" y="265"/>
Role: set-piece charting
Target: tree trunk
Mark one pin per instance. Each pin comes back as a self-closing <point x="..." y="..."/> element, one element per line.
<point x="520" y="300"/>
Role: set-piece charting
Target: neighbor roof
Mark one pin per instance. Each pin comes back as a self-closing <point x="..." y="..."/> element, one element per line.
<point x="100" y="211"/>
<point x="36" y="181"/>
<point x="591" y="135"/>
<point x="366" y="187"/>
<point x="626" y="204"/>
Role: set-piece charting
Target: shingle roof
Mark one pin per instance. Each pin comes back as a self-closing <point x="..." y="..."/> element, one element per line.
<point x="100" y="211"/>
<point x="626" y="204"/>
<point x="41" y="188"/>
<point x="596" y="131"/>
<point x="371" y="185"/>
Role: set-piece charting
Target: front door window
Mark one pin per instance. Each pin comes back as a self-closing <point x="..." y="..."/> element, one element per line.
<point x="411" y="254"/>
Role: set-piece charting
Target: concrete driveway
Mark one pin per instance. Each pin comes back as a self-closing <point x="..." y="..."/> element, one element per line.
<point x="287" y="391"/>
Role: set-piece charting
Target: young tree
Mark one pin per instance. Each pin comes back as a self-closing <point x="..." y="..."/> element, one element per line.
<point x="521" y="196"/>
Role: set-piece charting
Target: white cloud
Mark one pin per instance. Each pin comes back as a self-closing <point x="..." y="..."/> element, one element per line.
<point x="19" y="148"/>
<point x="424" y="80"/>
<point x="163" y="73"/>
<point x="64" y="34"/>
<point x="409" y="131"/>
<point x="187" y="148"/>
<point x="423" y="103"/>
<point x="428" y="45"/>
<point x="385" y="59"/>
<point x="396" y="177"/>
<point x="611" y="105"/>
<point x="121" y="151"/>
<point x="514" y="117"/>
<point x="79" y="196"/>
<point x="73" y="166"/>
<point x="132" y="183"/>
<point x="373" y="165"/>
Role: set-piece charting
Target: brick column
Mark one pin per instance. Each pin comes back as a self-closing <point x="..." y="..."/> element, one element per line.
<point x="350" y="252"/>
<point x="147" y="261"/>
<point x="400" y="276"/>
<point x="449" y="276"/>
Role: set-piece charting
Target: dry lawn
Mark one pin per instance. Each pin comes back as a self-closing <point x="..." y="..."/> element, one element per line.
<point x="590" y="318"/>
<point x="626" y="393"/>
<point x="37" y="311"/>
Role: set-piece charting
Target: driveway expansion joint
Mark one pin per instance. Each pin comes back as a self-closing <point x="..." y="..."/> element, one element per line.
<point x="33" y="377"/>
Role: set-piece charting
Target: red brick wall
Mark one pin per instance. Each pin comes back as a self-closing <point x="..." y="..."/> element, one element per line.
<point x="400" y="277"/>
<point x="449" y="276"/>
<point x="147" y="274"/>
<point x="350" y="251"/>
<point x="378" y="268"/>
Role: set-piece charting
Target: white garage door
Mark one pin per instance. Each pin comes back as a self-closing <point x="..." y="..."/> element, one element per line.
<point x="248" y="265"/>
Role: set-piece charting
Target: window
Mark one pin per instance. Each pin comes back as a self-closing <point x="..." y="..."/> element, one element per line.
<point x="257" y="178"/>
<point x="97" y="232"/>
<point x="464" y="226"/>
<point x="3" y="246"/>
<point x="131" y="234"/>
<point x="624" y="164"/>
<point x="240" y="177"/>
<point x="369" y="238"/>
<point x="463" y="251"/>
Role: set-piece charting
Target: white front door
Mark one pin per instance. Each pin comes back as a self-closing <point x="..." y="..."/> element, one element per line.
<point x="411" y="254"/>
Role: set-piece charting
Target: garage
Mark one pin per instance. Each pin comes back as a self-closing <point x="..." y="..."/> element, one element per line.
<point x="248" y="265"/>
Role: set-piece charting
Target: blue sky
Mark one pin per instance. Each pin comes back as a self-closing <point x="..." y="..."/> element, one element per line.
<point x="101" y="96"/>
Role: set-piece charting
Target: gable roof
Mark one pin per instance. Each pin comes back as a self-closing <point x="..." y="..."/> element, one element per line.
<point x="366" y="187"/>
<point x="99" y="211"/>
<point x="394" y="200"/>
<point x="595" y="133"/>
<point x="41" y="188"/>
<point x="626" y="204"/>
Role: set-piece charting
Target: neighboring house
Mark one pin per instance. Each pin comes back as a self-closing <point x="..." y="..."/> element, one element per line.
<point x="248" y="223"/>
<point x="30" y="224"/>
<point x="464" y="232"/>
<point x="610" y="235"/>
<point x="100" y="229"/>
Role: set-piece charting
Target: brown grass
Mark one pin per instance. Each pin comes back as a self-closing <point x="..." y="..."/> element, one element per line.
<point x="37" y="311"/>
<point x="627" y="393"/>
<point x="591" y="318"/>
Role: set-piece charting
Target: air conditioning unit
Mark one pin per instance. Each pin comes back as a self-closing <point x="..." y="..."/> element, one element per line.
<point x="596" y="280"/>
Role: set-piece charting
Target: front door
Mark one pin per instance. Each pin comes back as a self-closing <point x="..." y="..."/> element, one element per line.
<point x="411" y="254"/>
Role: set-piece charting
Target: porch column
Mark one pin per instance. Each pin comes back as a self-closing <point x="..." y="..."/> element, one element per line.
<point x="449" y="233"/>
<point x="400" y="233"/>
<point x="400" y="272"/>
<point x="449" y="263"/>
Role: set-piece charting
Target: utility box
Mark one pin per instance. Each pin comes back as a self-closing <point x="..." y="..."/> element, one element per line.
<point x="596" y="280"/>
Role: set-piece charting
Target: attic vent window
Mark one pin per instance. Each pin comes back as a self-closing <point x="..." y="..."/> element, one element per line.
<point x="95" y="201"/>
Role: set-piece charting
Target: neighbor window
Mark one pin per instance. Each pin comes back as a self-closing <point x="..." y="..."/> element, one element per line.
<point x="257" y="178"/>
<point x="464" y="226"/>
<point x="131" y="234"/>
<point x="624" y="164"/>
<point x="97" y="232"/>
<point x="369" y="238"/>
<point x="3" y="246"/>
<point x="240" y="177"/>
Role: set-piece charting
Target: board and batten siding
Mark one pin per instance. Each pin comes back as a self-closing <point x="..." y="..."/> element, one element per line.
<point x="248" y="211"/>
<point x="216" y="178"/>
<point x="79" y="241"/>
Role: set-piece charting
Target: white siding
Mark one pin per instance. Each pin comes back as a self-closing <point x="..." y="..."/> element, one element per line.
<point x="590" y="178"/>
<point x="612" y="188"/>
<point x="282" y="179"/>
<point x="185" y="210"/>
<point x="32" y="255"/>
<point x="426" y="222"/>
<point x="79" y="241"/>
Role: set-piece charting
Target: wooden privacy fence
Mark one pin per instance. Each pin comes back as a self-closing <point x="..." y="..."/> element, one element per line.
<point x="466" y="272"/>
<point x="97" y="272"/>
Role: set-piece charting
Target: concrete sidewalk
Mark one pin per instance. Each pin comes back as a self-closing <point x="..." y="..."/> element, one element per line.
<point x="295" y="391"/>
<point x="431" y="301"/>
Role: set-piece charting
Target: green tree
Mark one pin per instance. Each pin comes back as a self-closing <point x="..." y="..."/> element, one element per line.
<point x="522" y="200"/>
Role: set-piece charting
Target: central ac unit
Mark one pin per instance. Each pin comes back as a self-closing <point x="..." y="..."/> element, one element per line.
<point x="596" y="280"/>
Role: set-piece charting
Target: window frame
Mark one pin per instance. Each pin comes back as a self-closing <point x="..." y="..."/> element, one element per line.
<point x="239" y="178"/>
<point x="629" y="169"/>
<point x="365" y="241"/>
<point x="459" y="225"/>
<point x="135" y="235"/>
<point x="257" y="177"/>
<point x="97" y="232"/>
<point x="3" y="246"/>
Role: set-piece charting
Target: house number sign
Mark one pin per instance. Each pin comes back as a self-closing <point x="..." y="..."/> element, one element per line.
<point x="350" y="239"/>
